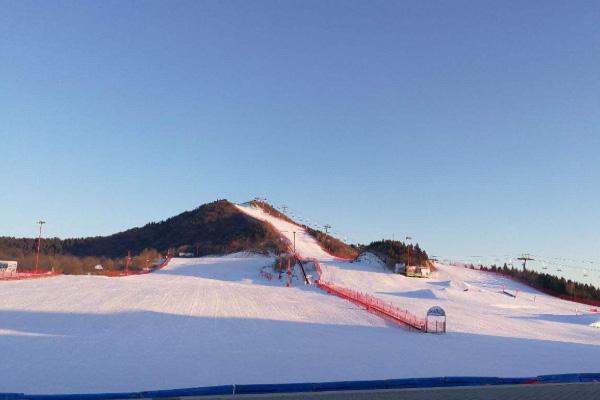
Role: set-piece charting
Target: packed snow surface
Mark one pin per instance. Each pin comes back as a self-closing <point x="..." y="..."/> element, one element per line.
<point x="215" y="320"/>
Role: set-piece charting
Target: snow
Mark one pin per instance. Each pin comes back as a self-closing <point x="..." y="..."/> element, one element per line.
<point x="305" y="243"/>
<point x="215" y="320"/>
<point x="371" y="259"/>
<point x="482" y="309"/>
<point x="198" y="322"/>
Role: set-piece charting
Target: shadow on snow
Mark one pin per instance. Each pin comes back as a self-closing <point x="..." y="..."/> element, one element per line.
<point x="85" y="352"/>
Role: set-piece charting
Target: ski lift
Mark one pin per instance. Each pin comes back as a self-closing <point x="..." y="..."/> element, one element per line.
<point x="544" y="265"/>
<point x="585" y="273"/>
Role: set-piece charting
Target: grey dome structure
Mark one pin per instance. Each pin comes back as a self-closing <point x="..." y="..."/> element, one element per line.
<point x="436" y="320"/>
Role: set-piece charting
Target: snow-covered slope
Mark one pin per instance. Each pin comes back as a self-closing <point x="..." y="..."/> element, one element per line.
<point x="306" y="245"/>
<point x="205" y="321"/>
<point x="214" y="320"/>
<point x="475" y="303"/>
<point x="472" y="299"/>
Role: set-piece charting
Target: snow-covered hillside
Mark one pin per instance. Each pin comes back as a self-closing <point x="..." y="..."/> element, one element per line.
<point x="215" y="320"/>
<point x="305" y="244"/>
<point x="474" y="299"/>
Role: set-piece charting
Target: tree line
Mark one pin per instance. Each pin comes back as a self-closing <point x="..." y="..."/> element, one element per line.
<point x="52" y="261"/>
<point x="211" y="229"/>
<point x="394" y="252"/>
<point x="551" y="284"/>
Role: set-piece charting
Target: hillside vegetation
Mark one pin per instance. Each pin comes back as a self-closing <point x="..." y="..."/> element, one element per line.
<point x="392" y="252"/>
<point x="214" y="228"/>
<point x="269" y="209"/>
<point x="332" y="245"/>
<point x="551" y="284"/>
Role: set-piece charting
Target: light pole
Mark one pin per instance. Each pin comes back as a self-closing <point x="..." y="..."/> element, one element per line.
<point x="408" y="239"/>
<point x="39" y="246"/>
<point x="128" y="262"/>
<point x="294" y="232"/>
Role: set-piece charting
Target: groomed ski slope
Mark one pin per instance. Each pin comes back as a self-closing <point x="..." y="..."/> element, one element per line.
<point x="214" y="320"/>
<point x="198" y="322"/>
<point x="473" y="301"/>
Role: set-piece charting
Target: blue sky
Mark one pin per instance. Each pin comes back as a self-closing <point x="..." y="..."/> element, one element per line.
<point x="472" y="126"/>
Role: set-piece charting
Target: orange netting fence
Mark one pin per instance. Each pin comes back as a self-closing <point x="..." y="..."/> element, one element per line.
<point x="371" y="303"/>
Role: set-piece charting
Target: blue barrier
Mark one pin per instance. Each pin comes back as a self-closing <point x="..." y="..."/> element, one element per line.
<point x="564" y="378"/>
<point x="516" y="381"/>
<point x="94" y="396"/>
<point x="199" y="391"/>
<point x="409" y="383"/>
<point x="452" y="381"/>
<point x="589" y="377"/>
<point x="568" y="378"/>
<point x="349" y="385"/>
<point x="273" y="388"/>
<point x="413" y="383"/>
<point x="11" y="396"/>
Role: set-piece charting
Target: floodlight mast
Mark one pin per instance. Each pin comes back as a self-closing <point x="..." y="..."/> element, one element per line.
<point x="294" y="242"/>
<point x="408" y="239"/>
<point x="128" y="262"/>
<point x="39" y="247"/>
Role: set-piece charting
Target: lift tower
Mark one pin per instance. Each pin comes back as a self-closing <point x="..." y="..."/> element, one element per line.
<point x="525" y="257"/>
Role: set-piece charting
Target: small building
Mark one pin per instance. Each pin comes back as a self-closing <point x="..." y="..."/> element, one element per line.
<point x="425" y="272"/>
<point x="416" y="271"/>
<point x="187" y="255"/>
<point x="8" y="267"/>
<point x="98" y="267"/>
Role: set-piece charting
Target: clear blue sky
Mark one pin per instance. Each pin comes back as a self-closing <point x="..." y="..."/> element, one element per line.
<point x="472" y="126"/>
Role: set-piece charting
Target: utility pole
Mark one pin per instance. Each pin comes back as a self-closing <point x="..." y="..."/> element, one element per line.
<point x="408" y="239"/>
<point x="327" y="228"/>
<point x="294" y="233"/>
<point x="128" y="262"/>
<point x="39" y="246"/>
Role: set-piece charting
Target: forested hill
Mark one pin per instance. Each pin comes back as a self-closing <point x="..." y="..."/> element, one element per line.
<point x="393" y="251"/>
<point x="214" y="228"/>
